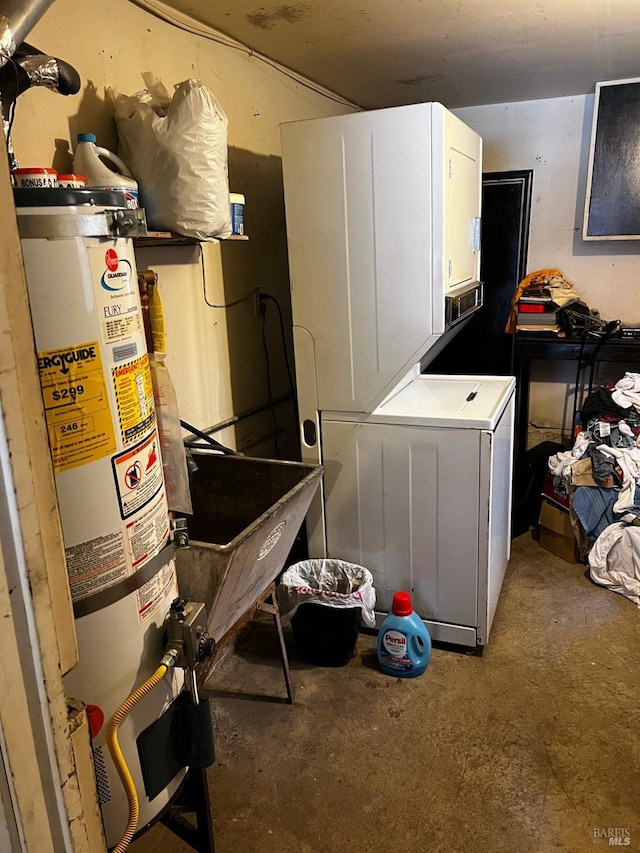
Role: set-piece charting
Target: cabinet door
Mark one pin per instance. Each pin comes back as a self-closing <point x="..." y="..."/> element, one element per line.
<point x="463" y="186"/>
<point x="358" y="195"/>
<point x="403" y="501"/>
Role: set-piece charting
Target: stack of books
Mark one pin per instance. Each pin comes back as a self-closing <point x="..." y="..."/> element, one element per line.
<point x="537" y="311"/>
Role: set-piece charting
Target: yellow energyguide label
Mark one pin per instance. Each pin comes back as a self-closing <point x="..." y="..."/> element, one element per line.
<point x="76" y="405"/>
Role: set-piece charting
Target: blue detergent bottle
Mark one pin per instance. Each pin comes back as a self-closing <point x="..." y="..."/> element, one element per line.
<point x="404" y="644"/>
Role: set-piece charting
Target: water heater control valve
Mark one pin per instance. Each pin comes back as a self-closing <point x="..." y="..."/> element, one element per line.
<point x="186" y="632"/>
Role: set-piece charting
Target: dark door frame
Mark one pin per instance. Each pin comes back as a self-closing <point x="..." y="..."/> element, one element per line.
<point x="523" y="178"/>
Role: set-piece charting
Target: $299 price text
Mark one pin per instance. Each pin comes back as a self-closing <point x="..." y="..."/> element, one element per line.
<point x="67" y="394"/>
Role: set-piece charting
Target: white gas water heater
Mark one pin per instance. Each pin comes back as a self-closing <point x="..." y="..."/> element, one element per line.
<point x="136" y="637"/>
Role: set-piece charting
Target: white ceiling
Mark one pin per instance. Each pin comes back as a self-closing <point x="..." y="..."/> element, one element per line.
<point x="382" y="53"/>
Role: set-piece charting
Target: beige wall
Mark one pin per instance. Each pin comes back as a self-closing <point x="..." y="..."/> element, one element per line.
<point x="216" y="356"/>
<point x="111" y="43"/>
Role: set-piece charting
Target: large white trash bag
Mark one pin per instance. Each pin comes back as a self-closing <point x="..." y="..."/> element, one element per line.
<point x="176" y="148"/>
<point x="333" y="583"/>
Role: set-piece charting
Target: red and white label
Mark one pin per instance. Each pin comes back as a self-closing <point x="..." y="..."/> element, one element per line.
<point x="111" y="260"/>
<point x="395" y="644"/>
<point x="138" y="475"/>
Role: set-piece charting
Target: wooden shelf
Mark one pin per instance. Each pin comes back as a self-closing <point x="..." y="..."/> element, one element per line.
<point x="168" y="238"/>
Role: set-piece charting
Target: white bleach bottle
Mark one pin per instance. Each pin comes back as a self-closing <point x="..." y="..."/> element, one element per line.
<point x="88" y="161"/>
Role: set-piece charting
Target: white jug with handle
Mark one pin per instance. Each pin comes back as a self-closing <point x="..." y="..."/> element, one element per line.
<point x="88" y="162"/>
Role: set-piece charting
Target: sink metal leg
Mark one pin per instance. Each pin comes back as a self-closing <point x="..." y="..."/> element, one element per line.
<point x="273" y="609"/>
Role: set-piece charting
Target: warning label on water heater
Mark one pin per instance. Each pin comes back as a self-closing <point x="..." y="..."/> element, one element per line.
<point x="138" y="475"/>
<point x="134" y="397"/>
<point x="148" y="531"/>
<point x="157" y="593"/>
<point x="96" y="564"/>
<point x="76" y="405"/>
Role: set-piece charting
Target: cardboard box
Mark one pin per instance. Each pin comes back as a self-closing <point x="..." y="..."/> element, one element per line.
<point x="556" y="532"/>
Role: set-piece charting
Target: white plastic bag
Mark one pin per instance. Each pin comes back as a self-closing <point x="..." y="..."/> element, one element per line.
<point x="176" y="148"/>
<point x="333" y="583"/>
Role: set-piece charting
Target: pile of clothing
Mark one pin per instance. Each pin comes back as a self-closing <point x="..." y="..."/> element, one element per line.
<point x="548" y="286"/>
<point x="602" y="471"/>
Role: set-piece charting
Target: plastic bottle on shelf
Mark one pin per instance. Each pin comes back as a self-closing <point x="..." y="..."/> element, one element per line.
<point x="88" y="161"/>
<point x="404" y="644"/>
<point x="236" y="201"/>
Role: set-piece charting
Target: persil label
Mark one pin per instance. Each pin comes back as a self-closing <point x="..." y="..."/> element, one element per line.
<point x="395" y="644"/>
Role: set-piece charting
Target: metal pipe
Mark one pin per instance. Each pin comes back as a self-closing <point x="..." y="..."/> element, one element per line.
<point x="242" y="416"/>
<point x="191" y="683"/>
<point x="17" y="19"/>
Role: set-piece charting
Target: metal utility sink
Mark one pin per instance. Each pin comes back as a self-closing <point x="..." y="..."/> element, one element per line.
<point x="246" y="514"/>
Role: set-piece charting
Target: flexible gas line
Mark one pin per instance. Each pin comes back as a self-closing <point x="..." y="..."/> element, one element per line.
<point x="116" y="720"/>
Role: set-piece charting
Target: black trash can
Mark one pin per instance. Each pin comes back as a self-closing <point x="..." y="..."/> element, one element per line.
<point x="326" y="636"/>
<point x="327" y="601"/>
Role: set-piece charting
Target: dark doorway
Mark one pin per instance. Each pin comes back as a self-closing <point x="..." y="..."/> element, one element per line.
<point x="482" y="347"/>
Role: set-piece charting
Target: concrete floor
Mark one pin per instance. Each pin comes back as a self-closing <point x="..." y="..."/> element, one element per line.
<point x="531" y="748"/>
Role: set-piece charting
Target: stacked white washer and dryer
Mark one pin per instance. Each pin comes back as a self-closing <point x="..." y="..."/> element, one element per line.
<point x="383" y="228"/>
